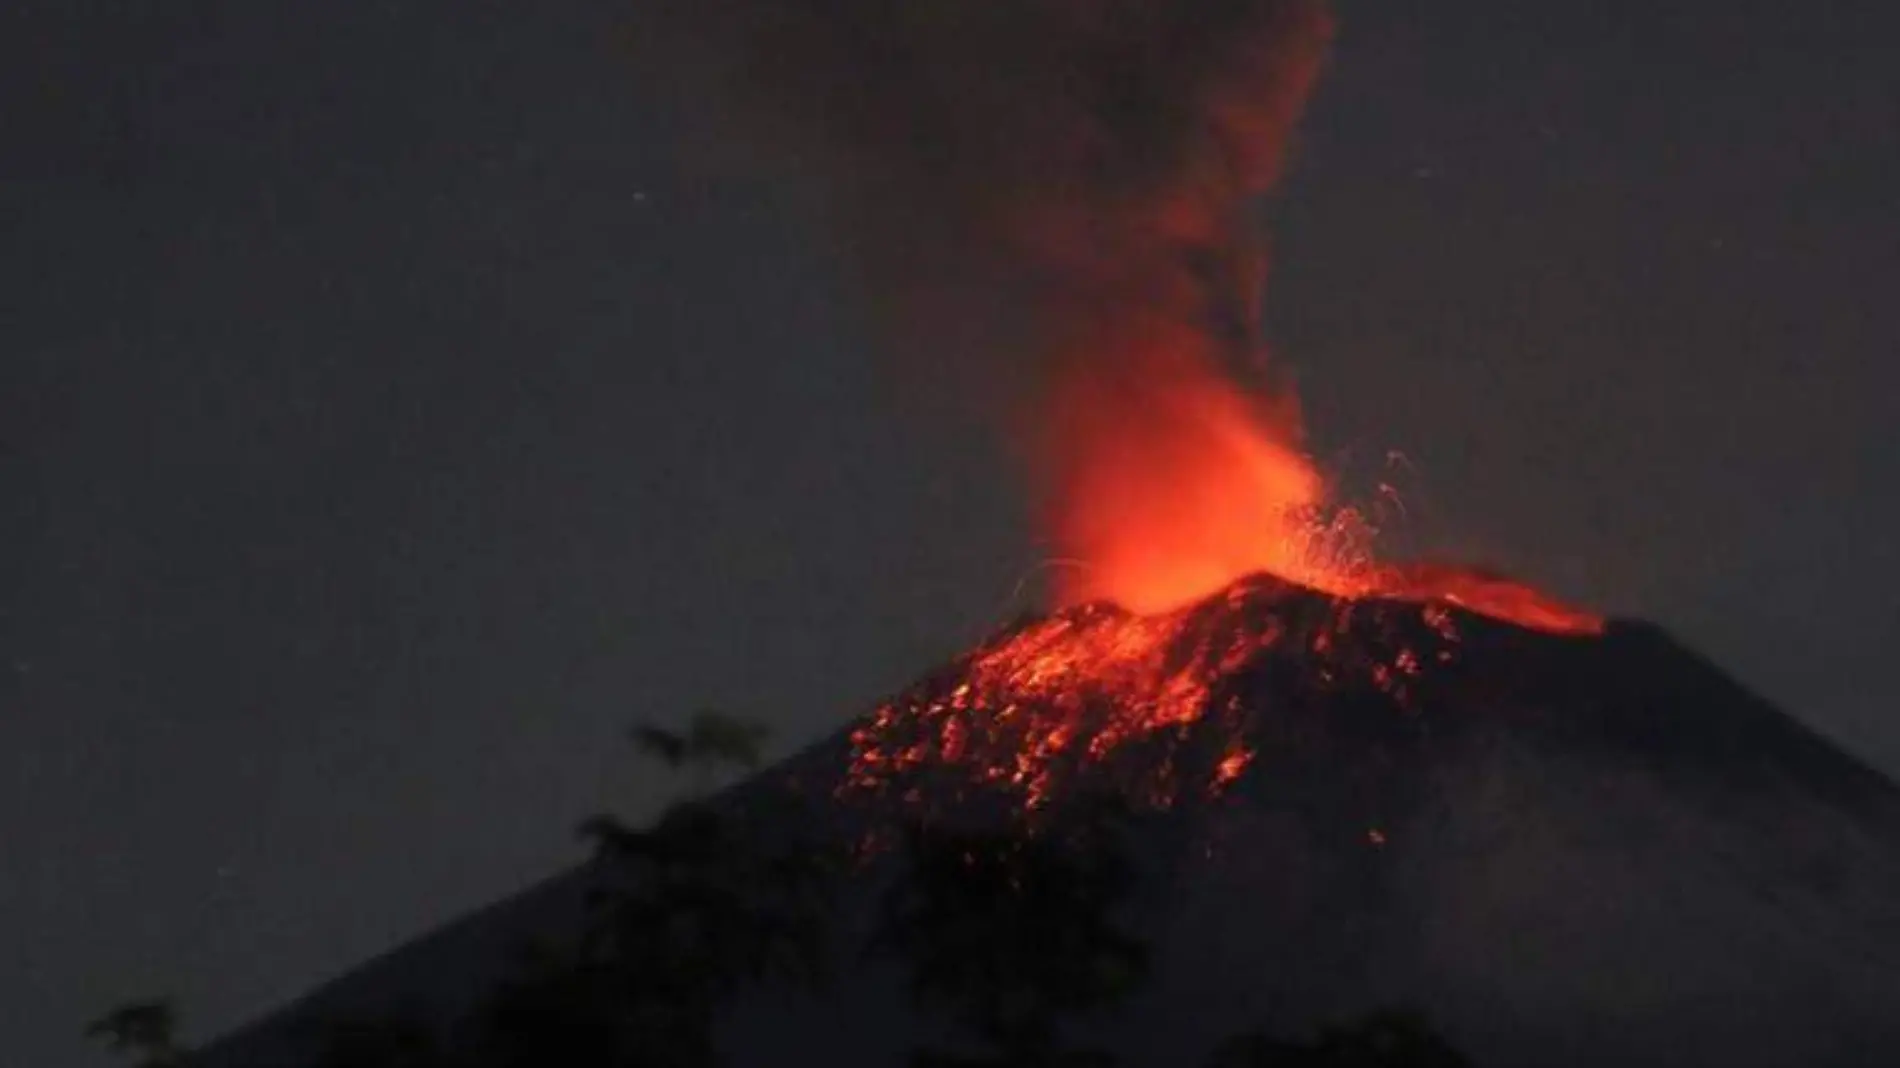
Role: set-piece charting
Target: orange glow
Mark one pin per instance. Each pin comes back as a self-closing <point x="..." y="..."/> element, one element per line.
<point x="1167" y="490"/>
<point x="1166" y="482"/>
<point x="1195" y="520"/>
<point x="1144" y="702"/>
<point x="1095" y="689"/>
<point x="1113" y="209"/>
<point x="1488" y="594"/>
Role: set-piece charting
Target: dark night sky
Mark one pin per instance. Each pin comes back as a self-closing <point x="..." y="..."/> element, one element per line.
<point x="388" y="418"/>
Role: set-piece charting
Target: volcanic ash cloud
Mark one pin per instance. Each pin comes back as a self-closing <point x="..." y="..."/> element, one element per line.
<point x="1050" y="199"/>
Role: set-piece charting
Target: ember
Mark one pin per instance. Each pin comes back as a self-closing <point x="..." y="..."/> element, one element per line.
<point x="1139" y="702"/>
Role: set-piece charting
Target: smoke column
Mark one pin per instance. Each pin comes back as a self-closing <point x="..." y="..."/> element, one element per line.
<point x="1051" y="199"/>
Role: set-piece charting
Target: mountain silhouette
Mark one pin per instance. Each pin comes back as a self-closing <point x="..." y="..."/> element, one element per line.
<point x="1560" y="849"/>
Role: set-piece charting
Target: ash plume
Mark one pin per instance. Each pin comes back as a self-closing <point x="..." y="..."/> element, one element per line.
<point x="1050" y="201"/>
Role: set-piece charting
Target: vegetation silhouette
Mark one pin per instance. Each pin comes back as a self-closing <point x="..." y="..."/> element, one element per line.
<point x="686" y="913"/>
<point x="712" y="742"/>
<point x="1388" y="1038"/>
<point x="144" y="1032"/>
<point x="1014" y="931"/>
<point x="394" y="1041"/>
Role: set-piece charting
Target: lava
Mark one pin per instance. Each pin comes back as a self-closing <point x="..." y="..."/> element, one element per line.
<point x="1487" y="594"/>
<point x="1059" y="199"/>
<point x="1139" y="701"/>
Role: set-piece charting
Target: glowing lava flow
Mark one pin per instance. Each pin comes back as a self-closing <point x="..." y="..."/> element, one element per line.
<point x="1067" y="189"/>
<point x="1124" y="695"/>
<point x="1169" y="486"/>
<point x="1127" y="698"/>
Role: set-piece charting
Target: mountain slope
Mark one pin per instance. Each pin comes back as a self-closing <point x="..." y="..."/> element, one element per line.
<point x="1564" y="850"/>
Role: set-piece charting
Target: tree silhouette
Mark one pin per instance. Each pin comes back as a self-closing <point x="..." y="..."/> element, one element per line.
<point x="1013" y="932"/>
<point x="383" y="1042"/>
<point x="712" y="742"/>
<point x="686" y="912"/>
<point x="146" y="1032"/>
<point x="1388" y="1038"/>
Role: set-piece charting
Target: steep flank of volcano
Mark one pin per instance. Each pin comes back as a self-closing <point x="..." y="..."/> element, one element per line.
<point x="1564" y="849"/>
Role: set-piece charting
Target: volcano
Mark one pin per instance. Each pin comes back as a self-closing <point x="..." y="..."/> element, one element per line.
<point x="1565" y="846"/>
